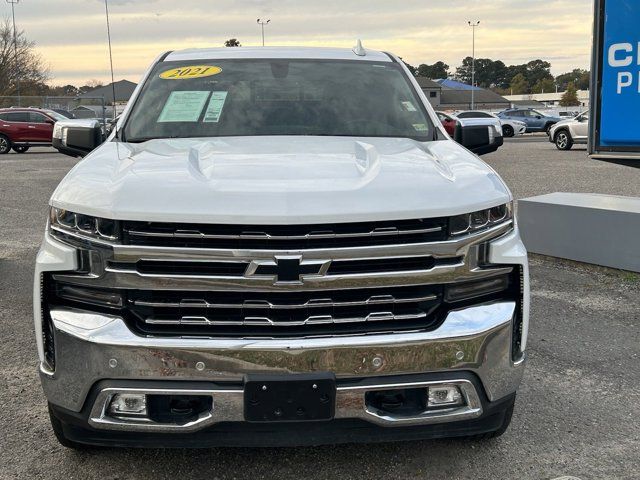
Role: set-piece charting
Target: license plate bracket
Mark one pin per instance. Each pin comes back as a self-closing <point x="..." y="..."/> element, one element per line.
<point x="289" y="398"/>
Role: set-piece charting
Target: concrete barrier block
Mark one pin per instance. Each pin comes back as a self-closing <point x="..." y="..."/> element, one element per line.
<point x="592" y="228"/>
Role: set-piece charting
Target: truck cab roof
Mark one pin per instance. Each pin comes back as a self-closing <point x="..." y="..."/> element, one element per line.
<point x="317" y="53"/>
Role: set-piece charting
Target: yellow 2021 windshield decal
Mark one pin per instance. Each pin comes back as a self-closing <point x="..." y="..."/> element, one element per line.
<point x="194" y="71"/>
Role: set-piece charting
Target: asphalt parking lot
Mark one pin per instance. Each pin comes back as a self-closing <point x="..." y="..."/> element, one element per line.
<point x="577" y="410"/>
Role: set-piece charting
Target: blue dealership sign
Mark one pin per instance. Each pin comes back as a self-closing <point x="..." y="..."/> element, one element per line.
<point x="615" y="88"/>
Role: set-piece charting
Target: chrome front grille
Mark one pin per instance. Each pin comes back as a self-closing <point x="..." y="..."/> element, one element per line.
<point x="285" y="236"/>
<point x="387" y="281"/>
<point x="275" y="314"/>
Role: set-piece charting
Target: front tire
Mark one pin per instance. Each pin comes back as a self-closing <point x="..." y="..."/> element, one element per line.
<point x="20" y="148"/>
<point x="507" y="131"/>
<point x="5" y="144"/>
<point x="563" y="140"/>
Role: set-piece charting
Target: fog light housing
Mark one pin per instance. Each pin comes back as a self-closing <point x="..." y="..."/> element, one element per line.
<point x="128" y="405"/>
<point x="444" y="396"/>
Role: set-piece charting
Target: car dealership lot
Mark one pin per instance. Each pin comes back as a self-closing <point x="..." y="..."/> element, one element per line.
<point x="576" y="412"/>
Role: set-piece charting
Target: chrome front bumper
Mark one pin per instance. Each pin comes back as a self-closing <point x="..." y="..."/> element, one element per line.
<point x="93" y="347"/>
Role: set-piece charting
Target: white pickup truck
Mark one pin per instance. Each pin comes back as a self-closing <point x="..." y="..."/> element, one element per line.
<point x="278" y="246"/>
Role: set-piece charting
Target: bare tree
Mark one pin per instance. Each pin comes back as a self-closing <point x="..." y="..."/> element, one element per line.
<point x="29" y="67"/>
<point x="90" y="85"/>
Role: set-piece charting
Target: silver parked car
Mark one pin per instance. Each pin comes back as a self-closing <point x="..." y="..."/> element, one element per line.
<point x="566" y="133"/>
<point x="510" y="128"/>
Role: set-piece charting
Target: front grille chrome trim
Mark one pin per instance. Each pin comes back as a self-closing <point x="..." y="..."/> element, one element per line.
<point x="263" y="304"/>
<point x="438" y="249"/>
<point x="266" y="321"/>
<point x="316" y="235"/>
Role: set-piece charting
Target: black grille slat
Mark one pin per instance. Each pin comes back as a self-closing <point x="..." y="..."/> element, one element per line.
<point x="402" y="264"/>
<point x="151" y="267"/>
<point x="284" y="236"/>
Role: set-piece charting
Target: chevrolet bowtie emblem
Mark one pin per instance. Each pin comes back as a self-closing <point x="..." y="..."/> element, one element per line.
<point x="288" y="269"/>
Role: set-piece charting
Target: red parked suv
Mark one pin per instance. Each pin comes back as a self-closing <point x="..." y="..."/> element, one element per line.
<point x="21" y="128"/>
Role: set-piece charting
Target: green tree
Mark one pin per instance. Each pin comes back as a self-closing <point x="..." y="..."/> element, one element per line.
<point x="232" y="42"/>
<point x="488" y="73"/>
<point x="519" y="85"/>
<point x="538" y="70"/>
<point x="570" y="96"/>
<point x="580" y="78"/>
<point x="435" y="71"/>
<point x="545" y="85"/>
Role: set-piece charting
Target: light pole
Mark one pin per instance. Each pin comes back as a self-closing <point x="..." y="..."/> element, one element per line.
<point x="473" y="26"/>
<point x="262" y="23"/>
<point x="15" y="46"/>
<point x="113" y="85"/>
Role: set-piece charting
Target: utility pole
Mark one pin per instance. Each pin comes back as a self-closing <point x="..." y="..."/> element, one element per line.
<point x="262" y="23"/>
<point x="15" y="46"/>
<point x="473" y="26"/>
<point x="113" y="85"/>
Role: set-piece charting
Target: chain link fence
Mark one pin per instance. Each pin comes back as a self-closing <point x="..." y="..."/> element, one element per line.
<point x="72" y="107"/>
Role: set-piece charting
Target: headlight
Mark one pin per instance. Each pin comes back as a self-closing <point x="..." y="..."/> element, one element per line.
<point x="481" y="219"/>
<point x="63" y="222"/>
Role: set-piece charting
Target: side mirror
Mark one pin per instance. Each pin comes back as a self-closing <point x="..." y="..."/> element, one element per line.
<point x="77" y="138"/>
<point x="480" y="139"/>
<point x="538" y="117"/>
<point x="50" y="121"/>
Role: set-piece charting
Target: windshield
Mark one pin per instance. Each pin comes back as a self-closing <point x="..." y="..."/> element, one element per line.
<point x="277" y="97"/>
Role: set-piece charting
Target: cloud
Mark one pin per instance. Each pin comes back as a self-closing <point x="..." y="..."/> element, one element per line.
<point x="421" y="31"/>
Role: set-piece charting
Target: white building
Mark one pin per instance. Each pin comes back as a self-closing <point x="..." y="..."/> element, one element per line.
<point x="549" y="99"/>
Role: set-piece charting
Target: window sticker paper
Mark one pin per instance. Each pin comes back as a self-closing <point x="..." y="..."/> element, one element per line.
<point x="214" y="109"/>
<point x="408" y="106"/>
<point x="183" y="106"/>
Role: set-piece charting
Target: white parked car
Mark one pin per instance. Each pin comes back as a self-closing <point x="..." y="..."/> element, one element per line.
<point x="279" y="246"/>
<point x="567" y="133"/>
<point x="510" y="128"/>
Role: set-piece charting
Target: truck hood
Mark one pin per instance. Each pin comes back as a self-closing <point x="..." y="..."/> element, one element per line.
<point x="279" y="180"/>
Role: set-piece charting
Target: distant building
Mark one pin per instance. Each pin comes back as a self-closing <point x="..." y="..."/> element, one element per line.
<point x="431" y="89"/>
<point x="124" y="89"/>
<point x="549" y="99"/>
<point x="455" y="85"/>
<point x="449" y="95"/>
<point x="482" y="100"/>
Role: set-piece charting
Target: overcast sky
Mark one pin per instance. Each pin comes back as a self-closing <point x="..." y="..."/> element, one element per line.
<point x="71" y="34"/>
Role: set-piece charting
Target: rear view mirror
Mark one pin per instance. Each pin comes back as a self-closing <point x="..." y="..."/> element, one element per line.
<point x="480" y="139"/>
<point x="77" y="138"/>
